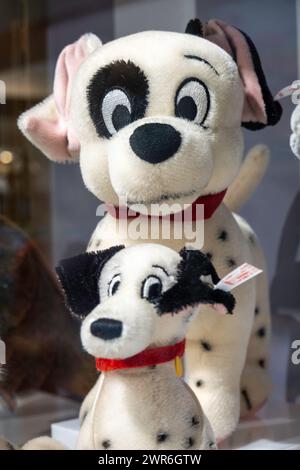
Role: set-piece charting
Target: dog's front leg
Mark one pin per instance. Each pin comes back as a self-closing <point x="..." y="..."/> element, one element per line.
<point x="215" y="357"/>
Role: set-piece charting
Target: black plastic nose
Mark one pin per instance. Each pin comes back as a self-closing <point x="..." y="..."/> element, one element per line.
<point x="106" y="328"/>
<point x="155" y="142"/>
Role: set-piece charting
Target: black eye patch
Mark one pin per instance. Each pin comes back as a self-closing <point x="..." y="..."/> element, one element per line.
<point x="127" y="106"/>
<point x="79" y="276"/>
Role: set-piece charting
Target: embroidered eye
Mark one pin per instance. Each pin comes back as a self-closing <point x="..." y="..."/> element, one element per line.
<point x="152" y="288"/>
<point x="116" y="110"/>
<point x="114" y="285"/>
<point x="192" y="101"/>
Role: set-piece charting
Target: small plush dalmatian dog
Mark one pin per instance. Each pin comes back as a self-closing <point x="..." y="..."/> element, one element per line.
<point x="156" y="117"/>
<point x="135" y="304"/>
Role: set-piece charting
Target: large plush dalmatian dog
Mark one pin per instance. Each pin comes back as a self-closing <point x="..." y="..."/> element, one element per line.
<point x="157" y="117"/>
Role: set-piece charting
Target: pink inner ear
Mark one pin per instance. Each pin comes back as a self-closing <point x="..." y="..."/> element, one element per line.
<point x="233" y="41"/>
<point x="67" y="66"/>
<point x="220" y="308"/>
<point x="50" y="137"/>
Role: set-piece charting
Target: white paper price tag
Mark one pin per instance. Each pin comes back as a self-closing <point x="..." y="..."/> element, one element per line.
<point x="238" y="276"/>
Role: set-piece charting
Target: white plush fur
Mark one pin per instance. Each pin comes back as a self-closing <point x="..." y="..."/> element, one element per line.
<point x="251" y="173"/>
<point x="207" y="161"/>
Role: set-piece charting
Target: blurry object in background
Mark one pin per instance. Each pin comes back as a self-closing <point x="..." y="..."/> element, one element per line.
<point x="43" y="349"/>
<point x="24" y="177"/>
<point x="285" y="295"/>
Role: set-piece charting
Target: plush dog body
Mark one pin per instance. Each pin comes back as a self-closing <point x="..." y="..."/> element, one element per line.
<point x="132" y="319"/>
<point x="156" y="118"/>
<point x="144" y="407"/>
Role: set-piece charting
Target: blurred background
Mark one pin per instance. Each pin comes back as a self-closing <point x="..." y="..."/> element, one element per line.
<point x="50" y="203"/>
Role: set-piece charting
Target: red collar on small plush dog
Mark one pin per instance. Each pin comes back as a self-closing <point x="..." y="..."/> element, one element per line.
<point x="148" y="357"/>
<point x="211" y="202"/>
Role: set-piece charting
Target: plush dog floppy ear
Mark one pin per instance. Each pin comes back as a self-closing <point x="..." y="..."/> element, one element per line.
<point x="79" y="277"/>
<point x="260" y="109"/>
<point x="47" y="125"/>
<point x="196" y="279"/>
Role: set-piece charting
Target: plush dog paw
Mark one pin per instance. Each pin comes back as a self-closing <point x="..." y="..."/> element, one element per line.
<point x="43" y="443"/>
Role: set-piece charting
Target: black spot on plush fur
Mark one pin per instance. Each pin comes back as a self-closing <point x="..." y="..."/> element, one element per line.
<point x="261" y="332"/>
<point x="199" y="383"/>
<point x="189" y="442"/>
<point x="223" y="236"/>
<point x="246" y="397"/>
<point x="195" y="421"/>
<point x="231" y="263"/>
<point x="190" y="290"/>
<point x="79" y="276"/>
<point x="194" y="27"/>
<point x="206" y="345"/>
<point x="106" y="444"/>
<point x="162" y="437"/>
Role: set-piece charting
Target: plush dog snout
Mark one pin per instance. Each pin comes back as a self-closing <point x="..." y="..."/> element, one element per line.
<point x="155" y="142"/>
<point x="107" y="328"/>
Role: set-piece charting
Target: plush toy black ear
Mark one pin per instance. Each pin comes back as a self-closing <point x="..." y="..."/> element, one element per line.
<point x="194" y="27"/>
<point x="79" y="277"/>
<point x="195" y="264"/>
<point x="190" y="289"/>
<point x="260" y="108"/>
<point x="272" y="109"/>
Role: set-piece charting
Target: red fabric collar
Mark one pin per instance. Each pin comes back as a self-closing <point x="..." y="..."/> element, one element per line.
<point x="148" y="357"/>
<point x="211" y="202"/>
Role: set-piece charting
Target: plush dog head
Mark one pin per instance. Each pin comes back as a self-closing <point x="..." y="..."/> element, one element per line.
<point x="134" y="297"/>
<point x="155" y="116"/>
